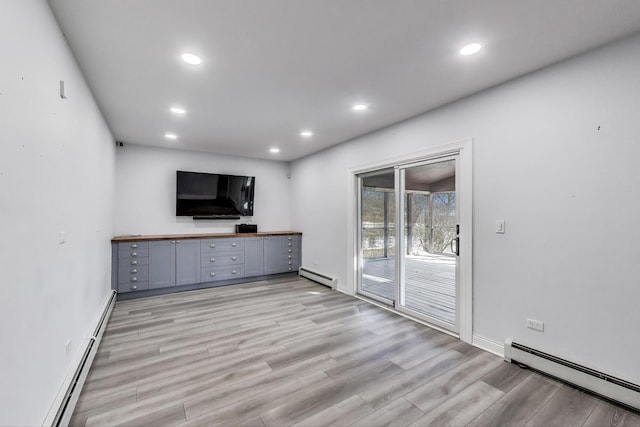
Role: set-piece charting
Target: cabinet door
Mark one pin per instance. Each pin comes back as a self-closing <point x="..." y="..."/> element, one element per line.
<point x="253" y="256"/>
<point x="273" y="257"/>
<point x="187" y="261"/>
<point x="162" y="270"/>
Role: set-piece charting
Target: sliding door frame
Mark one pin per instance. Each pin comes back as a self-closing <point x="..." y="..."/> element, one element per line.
<point x="462" y="149"/>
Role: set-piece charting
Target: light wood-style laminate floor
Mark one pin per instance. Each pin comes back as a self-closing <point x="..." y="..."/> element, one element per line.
<point x="291" y="352"/>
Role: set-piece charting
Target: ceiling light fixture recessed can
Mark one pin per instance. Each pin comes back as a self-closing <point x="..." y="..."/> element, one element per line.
<point x="170" y="135"/>
<point x="178" y="110"/>
<point x="274" y="150"/>
<point x="306" y="133"/>
<point x="470" y="49"/>
<point x="360" y="107"/>
<point x="190" y="58"/>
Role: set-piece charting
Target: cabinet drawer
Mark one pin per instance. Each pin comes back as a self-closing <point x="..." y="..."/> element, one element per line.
<point x="221" y="245"/>
<point x="125" y="262"/>
<point x="289" y="257"/>
<point x="132" y="287"/>
<point x="127" y="273"/>
<point x="225" y="258"/>
<point x="222" y="273"/>
<point x="125" y="246"/>
<point x="293" y="251"/>
<point x="133" y="253"/>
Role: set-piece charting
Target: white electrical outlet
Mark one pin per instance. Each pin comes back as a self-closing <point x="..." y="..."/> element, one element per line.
<point x="535" y="324"/>
<point x="62" y="237"/>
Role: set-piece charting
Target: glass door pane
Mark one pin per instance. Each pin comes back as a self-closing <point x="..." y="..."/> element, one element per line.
<point x="428" y="263"/>
<point x="377" y="235"/>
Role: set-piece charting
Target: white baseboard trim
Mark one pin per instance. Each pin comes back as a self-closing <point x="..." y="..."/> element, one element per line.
<point x="488" y="345"/>
<point x="52" y="419"/>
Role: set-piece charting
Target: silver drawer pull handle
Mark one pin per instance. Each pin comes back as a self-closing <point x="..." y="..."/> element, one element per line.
<point x="290" y="263"/>
<point x="134" y="279"/>
<point x="134" y="270"/>
<point x="290" y="257"/>
<point x="234" y="244"/>
<point x="213" y="245"/>
<point x="134" y="287"/>
<point x="212" y="260"/>
<point x="212" y="274"/>
<point x="134" y="253"/>
<point x="289" y="238"/>
<point x="233" y="272"/>
<point x="290" y="244"/>
<point x="233" y="258"/>
<point x="289" y="268"/>
<point x="290" y="251"/>
<point x="134" y="246"/>
<point x="134" y="262"/>
<point x="177" y="241"/>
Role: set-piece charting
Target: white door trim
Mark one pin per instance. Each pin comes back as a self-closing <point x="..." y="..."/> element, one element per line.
<point x="465" y="180"/>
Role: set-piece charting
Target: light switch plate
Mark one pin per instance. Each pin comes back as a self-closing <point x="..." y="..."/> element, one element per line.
<point x="500" y="226"/>
<point x="62" y="237"/>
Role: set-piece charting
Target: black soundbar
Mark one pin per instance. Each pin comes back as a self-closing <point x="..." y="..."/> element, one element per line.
<point x="217" y="217"/>
<point x="246" y="228"/>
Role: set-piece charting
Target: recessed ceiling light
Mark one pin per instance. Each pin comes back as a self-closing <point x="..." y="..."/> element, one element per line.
<point x="470" y="49"/>
<point x="306" y="133"/>
<point x="360" y="107"/>
<point x="274" y="150"/>
<point x="190" y="58"/>
<point x="178" y="110"/>
<point x="170" y="136"/>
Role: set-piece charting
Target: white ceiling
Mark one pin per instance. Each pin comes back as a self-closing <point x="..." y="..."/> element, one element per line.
<point x="274" y="67"/>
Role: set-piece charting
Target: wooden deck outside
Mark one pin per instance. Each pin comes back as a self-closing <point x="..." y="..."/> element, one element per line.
<point x="430" y="284"/>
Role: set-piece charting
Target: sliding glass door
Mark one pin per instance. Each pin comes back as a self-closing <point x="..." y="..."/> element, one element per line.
<point x="409" y="237"/>
<point x="428" y="261"/>
<point x="378" y="235"/>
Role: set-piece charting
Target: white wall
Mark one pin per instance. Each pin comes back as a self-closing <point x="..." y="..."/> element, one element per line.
<point x="56" y="174"/>
<point x="568" y="192"/>
<point x="146" y="190"/>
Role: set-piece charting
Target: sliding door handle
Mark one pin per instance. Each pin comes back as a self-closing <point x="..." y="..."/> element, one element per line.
<point x="457" y="249"/>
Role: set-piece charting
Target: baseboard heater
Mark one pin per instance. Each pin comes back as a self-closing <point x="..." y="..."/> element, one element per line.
<point x="323" y="279"/>
<point x="604" y="385"/>
<point x="67" y="399"/>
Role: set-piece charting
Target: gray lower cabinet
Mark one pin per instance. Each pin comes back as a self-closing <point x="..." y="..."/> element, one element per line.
<point x="281" y="254"/>
<point x="290" y="253"/>
<point x="162" y="266"/>
<point x="133" y="266"/>
<point x="174" y="262"/>
<point x="253" y="256"/>
<point x="273" y="259"/>
<point x="156" y="264"/>
<point x="222" y="259"/>
<point x="187" y="261"/>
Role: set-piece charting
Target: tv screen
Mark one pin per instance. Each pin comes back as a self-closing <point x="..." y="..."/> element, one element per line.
<point x="207" y="194"/>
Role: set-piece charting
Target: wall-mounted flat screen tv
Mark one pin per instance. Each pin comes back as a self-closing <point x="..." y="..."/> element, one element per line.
<point x="214" y="195"/>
